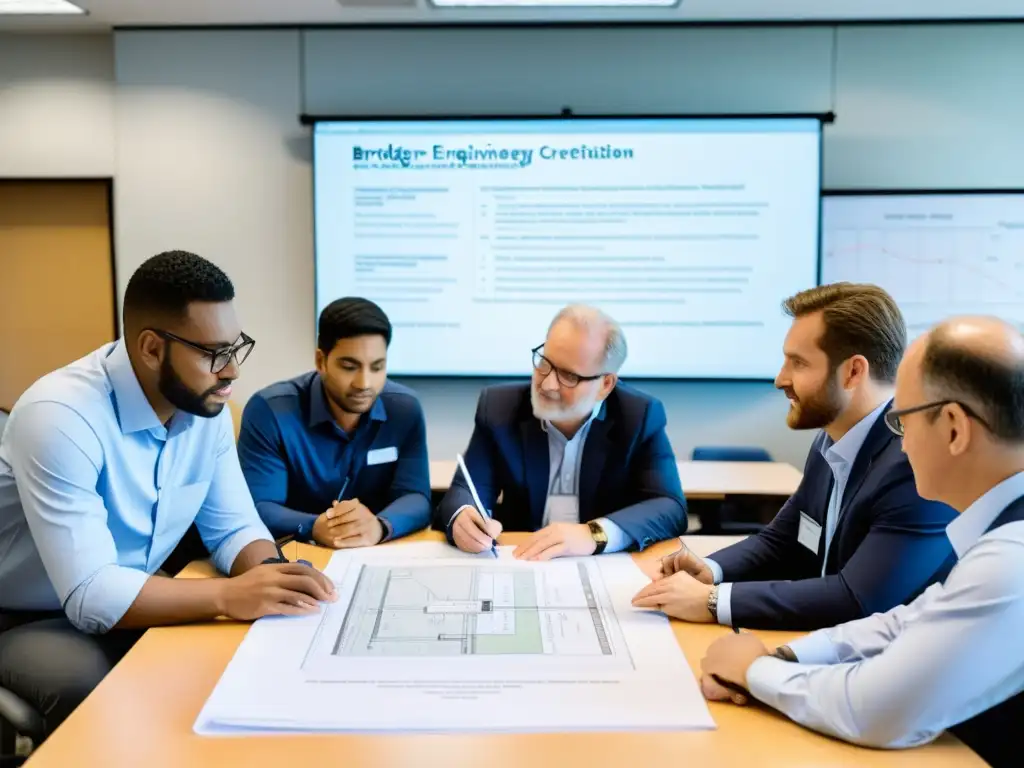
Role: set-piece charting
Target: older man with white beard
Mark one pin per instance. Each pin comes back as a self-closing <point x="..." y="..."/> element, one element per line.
<point x="578" y="458"/>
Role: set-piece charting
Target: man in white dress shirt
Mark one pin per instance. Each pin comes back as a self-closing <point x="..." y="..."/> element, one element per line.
<point x="953" y="658"/>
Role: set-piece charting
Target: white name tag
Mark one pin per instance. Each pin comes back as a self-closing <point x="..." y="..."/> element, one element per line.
<point x="382" y="455"/>
<point x="809" y="534"/>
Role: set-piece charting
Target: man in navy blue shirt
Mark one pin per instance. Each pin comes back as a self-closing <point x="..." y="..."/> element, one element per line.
<point x="338" y="456"/>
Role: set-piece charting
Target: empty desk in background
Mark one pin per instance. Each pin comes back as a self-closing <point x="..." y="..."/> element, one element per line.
<point x="700" y="479"/>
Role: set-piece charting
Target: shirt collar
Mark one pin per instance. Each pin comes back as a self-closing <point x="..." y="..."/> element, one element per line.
<point x="320" y="413"/>
<point x="846" y="448"/>
<point x="134" y="413"/>
<point x="970" y="525"/>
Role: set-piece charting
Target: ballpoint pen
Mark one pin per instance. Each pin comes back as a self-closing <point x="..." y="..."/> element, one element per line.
<point x="476" y="496"/>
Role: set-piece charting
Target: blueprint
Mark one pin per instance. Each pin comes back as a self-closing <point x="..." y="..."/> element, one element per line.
<point x="435" y="610"/>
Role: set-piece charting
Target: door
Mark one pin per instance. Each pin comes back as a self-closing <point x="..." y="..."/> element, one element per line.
<point x="57" y="300"/>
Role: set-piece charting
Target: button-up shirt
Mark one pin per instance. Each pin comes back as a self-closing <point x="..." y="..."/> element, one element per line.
<point x="900" y="678"/>
<point x="95" y="492"/>
<point x="840" y="455"/>
<point x="566" y="458"/>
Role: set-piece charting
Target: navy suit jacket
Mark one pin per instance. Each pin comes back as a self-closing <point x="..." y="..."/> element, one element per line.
<point x="628" y="472"/>
<point x="295" y="461"/>
<point x="888" y="546"/>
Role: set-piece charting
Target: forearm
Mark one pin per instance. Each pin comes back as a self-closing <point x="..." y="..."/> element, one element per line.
<point x="281" y="520"/>
<point x="407" y="514"/>
<point x="651" y="520"/>
<point x="253" y="554"/>
<point x="793" y="605"/>
<point x="164" y="601"/>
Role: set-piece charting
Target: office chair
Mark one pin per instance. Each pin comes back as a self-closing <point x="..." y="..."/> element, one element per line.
<point x="730" y="453"/>
<point x="17" y="717"/>
<point x="733" y="515"/>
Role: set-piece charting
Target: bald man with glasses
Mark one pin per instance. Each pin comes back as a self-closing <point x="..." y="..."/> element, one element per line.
<point x="579" y="459"/>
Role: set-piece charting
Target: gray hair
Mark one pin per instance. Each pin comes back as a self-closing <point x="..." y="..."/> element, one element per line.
<point x="592" y="318"/>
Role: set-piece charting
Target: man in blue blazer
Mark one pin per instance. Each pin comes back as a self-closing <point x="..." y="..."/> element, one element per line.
<point x="855" y="538"/>
<point x="578" y="458"/>
<point x="338" y="456"/>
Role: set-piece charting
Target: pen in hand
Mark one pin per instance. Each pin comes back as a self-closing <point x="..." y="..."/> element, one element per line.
<point x="476" y="500"/>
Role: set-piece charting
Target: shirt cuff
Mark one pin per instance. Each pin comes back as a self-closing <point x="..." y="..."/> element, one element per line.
<point x="725" y="604"/>
<point x="232" y="546"/>
<point x="618" y="539"/>
<point x="767" y="678"/>
<point x="815" y="648"/>
<point x="389" y="529"/>
<point x="98" y="603"/>
<point x="716" y="569"/>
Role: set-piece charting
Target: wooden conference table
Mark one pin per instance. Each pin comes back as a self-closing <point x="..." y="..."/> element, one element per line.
<point x="142" y="715"/>
<point x="700" y="479"/>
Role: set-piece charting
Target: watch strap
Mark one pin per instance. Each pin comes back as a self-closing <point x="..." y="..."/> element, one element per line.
<point x="599" y="535"/>
<point x="713" y="603"/>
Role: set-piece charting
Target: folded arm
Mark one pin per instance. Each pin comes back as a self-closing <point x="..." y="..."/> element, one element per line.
<point x="660" y="512"/>
<point x="262" y="457"/>
<point x="900" y="679"/>
<point x="903" y="550"/>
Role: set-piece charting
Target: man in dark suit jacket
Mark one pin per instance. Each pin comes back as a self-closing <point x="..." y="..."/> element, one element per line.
<point x="855" y="538"/>
<point x="580" y="459"/>
<point x="338" y="456"/>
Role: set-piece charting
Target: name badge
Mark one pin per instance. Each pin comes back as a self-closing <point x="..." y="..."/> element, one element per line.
<point x="382" y="455"/>
<point x="809" y="534"/>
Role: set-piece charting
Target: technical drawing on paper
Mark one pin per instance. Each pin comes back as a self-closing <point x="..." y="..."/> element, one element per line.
<point x="449" y="610"/>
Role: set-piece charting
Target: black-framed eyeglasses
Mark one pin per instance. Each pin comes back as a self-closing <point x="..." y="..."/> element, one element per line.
<point x="894" y="419"/>
<point x="220" y="357"/>
<point x="544" y="367"/>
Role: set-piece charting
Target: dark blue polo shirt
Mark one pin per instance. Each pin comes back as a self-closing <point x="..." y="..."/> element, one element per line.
<point x="296" y="459"/>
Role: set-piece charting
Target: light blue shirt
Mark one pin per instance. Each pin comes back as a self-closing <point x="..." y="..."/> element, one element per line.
<point x="898" y="679"/>
<point x="840" y="456"/>
<point x="566" y="458"/>
<point x="95" y="492"/>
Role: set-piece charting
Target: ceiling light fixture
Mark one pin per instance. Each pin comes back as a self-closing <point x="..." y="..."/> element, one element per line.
<point x="40" y="8"/>
<point x="554" y="3"/>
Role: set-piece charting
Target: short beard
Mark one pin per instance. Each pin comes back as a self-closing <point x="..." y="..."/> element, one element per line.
<point x="546" y="411"/>
<point x="818" y="411"/>
<point x="184" y="399"/>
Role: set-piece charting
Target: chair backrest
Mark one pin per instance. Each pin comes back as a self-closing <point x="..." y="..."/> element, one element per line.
<point x="730" y="453"/>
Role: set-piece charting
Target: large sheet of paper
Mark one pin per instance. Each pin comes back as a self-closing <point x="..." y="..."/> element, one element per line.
<point x="423" y="638"/>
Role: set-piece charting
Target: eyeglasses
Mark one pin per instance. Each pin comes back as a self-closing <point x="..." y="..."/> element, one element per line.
<point x="544" y="367"/>
<point x="894" y="419"/>
<point x="220" y="357"/>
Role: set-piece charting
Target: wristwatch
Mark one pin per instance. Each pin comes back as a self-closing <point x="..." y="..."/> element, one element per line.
<point x="713" y="603"/>
<point x="598" y="534"/>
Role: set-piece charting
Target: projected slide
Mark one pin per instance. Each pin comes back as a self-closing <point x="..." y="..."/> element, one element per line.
<point x="938" y="255"/>
<point x="471" y="235"/>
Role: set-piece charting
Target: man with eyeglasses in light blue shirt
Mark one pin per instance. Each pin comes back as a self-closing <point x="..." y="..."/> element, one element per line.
<point x="104" y="465"/>
<point x="953" y="658"/>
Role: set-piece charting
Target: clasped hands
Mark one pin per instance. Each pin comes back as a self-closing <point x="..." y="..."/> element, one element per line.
<point x="348" y="524"/>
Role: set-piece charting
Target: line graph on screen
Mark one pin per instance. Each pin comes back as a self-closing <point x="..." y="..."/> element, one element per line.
<point x="933" y="268"/>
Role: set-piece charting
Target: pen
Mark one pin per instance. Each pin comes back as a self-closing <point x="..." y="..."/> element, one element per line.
<point x="341" y="493"/>
<point x="476" y="496"/>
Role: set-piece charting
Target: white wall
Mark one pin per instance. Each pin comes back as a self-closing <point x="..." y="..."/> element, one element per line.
<point x="210" y="156"/>
<point x="56" y="106"/>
